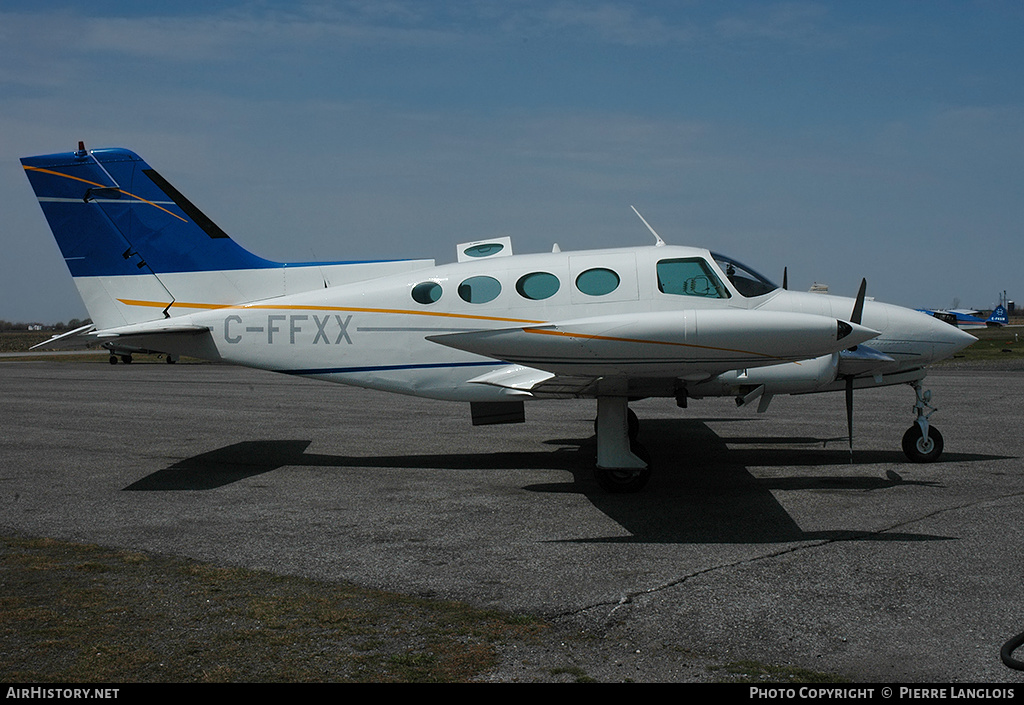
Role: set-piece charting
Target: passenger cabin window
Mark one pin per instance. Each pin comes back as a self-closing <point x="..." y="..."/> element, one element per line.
<point x="690" y="277"/>
<point x="485" y="250"/>
<point x="479" y="290"/>
<point x="426" y="293"/>
<point x="597" y="282"/>
<point x="746" y="280"/>
<point x="537" y="286"/>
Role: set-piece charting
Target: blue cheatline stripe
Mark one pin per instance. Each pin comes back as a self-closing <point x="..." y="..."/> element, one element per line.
<point x="389" y="368"/>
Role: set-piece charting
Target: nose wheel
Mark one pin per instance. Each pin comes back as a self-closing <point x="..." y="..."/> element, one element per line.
<point x="922" y="443"/>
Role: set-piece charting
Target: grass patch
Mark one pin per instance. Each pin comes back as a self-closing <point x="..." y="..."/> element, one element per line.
<point x="81" y="613"/>
<point x="22" y="340"/>
<point x="993" y="344"/>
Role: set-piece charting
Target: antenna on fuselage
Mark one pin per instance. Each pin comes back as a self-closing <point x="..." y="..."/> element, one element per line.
<point x="657" y="238"/>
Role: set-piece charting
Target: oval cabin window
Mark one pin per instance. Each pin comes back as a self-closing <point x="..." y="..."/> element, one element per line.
<point x="479" y="290"/>
<point x="485" y="250"/>
<point x="597" y="282"/>
<point x="426" y="293"/>
<point x="537" y="286"/>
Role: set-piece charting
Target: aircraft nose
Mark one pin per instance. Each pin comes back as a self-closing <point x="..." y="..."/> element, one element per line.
<point x="955" y="339"/>
<point x="919" y="339"/>
<point x="947" y="340"/>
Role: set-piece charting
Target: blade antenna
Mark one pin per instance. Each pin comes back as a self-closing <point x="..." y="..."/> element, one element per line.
<point x="657" y="238"/>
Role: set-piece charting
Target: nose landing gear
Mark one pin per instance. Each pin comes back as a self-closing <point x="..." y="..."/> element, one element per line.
<point x="922" y="443"/>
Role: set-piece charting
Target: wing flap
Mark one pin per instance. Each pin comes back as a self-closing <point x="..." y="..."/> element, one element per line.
<point x="529" y="381"/>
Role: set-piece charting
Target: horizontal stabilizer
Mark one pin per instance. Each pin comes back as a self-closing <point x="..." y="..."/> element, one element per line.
<point x="157" y="328"/>
<point x="88" y="336"/>
<point x="77" y="338"/>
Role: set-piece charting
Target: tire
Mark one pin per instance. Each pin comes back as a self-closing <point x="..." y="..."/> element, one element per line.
<point x="919" y="450"/>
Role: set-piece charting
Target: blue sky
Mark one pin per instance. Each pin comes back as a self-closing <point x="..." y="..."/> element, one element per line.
<point x="839" y="139"/>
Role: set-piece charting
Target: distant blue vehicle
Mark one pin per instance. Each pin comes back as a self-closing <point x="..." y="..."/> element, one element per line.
<point x="966" y="320"/>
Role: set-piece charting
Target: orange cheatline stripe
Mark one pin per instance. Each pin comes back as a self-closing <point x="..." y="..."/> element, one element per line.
<point x="355" y="309"/>
<point x="93" y="183"/>
<point x="278" y="306"/>
<point x="163" y="305"/>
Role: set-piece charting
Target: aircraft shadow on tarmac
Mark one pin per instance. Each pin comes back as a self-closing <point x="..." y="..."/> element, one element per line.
<point x="701" y="492"/>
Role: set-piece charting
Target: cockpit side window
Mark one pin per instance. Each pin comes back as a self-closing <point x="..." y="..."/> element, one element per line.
<point x="748" y="282"/>
<point x="691" y="276"/>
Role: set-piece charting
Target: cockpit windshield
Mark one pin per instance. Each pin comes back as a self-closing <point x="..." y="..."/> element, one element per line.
<point x="748" y="282"/>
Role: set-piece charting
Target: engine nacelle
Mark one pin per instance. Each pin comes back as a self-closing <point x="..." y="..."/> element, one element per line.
<point x="789" y="378"/>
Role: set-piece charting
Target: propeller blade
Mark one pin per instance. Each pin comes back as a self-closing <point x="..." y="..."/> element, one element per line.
<point x="849" y="411"/>
<point x="785" y="277"/>
<point x="858" y="306"/>
<point x="855" y="317"/>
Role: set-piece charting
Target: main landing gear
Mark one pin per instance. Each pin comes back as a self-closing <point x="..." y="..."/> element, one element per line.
<point x="623" y="464"/>
<point x="922" y="443"/>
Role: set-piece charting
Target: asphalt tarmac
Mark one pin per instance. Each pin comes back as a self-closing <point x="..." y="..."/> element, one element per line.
<point x="760" y="537"/>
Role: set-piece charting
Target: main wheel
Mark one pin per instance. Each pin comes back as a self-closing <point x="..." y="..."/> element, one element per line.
<point x="920" y="449"/>
<point x="626" y="480"/>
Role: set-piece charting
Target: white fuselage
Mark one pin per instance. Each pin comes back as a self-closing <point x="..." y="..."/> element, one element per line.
<point x="374" y="333"/>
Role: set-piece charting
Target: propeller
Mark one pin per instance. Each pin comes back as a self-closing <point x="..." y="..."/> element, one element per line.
<point x="785" y="277"/>
<point x="858" y="305"/>
<point x="855" y="317"/>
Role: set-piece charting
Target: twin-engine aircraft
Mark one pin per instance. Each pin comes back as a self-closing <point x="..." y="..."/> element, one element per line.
<point x="493" y="329"/>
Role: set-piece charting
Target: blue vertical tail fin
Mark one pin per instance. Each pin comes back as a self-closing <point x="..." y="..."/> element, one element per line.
<point x="114" y="215"/>
<point x="998" y="317"/>
<point x="138" y="250"/>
